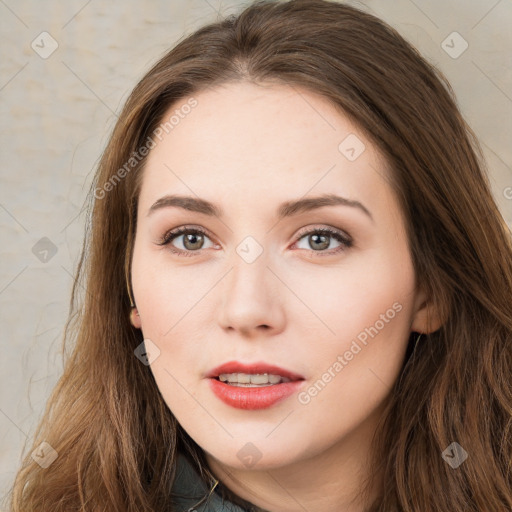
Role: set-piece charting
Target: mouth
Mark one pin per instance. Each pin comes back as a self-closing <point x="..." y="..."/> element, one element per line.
<point x="249" y="380"/>
<point x="252" y="386"/>
<point x="252" y="374"/>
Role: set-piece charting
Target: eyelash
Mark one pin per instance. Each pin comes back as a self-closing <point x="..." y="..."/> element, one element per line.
<point x="169" y="236"/>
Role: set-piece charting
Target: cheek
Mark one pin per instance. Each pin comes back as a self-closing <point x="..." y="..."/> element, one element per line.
<point x="167" y="294"/>
<point x="365" y="311"/>
<point x="352" y="370"/>
<point x="372" y="288"/>
<point x="169" y="300"/>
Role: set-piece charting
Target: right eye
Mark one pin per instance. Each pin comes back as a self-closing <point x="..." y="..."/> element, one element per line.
<point x="193" y="240"/>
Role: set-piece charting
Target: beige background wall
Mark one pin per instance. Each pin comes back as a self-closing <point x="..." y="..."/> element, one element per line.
<point x="57" y="111"/>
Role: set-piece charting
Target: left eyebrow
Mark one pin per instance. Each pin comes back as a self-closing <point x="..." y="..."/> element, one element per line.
<point x="289" y="208"/>
<point x="286" y="209"/>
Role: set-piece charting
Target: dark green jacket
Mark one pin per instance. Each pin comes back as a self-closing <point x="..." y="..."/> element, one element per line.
<point x="191" y="494"/>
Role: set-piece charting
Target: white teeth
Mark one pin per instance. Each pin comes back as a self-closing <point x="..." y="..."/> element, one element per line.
<point x="243" y="378"/>
<point x="252" y="380"/>
<point x="259" y="379"/>
<point x="274" y="379"/>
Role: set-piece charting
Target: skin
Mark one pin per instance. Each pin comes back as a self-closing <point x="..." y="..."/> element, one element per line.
<point x="249" y="148"/>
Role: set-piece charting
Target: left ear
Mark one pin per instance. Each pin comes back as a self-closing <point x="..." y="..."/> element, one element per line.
<point x="426" y="317"/>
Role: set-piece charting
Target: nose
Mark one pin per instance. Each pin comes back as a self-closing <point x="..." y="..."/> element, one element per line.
<point x="252" y="301"/>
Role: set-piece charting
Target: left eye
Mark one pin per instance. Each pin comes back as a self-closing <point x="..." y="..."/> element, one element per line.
<point x="320" y="239"/>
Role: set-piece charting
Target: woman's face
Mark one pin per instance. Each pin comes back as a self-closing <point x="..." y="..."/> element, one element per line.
<point x="263" y="284"/>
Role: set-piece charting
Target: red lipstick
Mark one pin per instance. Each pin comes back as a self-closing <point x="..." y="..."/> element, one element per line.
<point x="250" y="398"/>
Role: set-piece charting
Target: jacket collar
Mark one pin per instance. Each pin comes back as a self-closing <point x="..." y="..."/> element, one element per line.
<point x="191" y="494"/>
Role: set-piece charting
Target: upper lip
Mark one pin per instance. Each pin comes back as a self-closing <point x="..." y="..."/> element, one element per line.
<point x="252" y="368"/>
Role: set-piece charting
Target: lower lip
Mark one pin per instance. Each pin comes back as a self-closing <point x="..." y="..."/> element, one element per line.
<point x="253" y="398"/>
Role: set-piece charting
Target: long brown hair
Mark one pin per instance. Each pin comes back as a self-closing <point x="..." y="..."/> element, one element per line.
<point x="117" y="440"/>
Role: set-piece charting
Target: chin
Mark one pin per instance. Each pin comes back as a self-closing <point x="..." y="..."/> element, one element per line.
<point x="257" y="456"/>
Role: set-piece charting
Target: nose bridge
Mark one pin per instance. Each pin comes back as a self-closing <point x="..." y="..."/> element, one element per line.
<point x="249" y="266"/>
<point x="250" y="293"/>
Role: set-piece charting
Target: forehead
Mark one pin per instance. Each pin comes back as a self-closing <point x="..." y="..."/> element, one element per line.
<point x="255" y="142"/>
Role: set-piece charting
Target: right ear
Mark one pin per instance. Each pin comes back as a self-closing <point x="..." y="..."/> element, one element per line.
<point x="135" y="318"/>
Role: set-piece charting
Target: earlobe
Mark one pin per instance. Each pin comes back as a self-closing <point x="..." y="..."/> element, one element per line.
<point x="135" y="318"/>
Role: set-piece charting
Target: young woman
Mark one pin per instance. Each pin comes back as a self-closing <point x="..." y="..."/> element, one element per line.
<point x="299" y="287"/>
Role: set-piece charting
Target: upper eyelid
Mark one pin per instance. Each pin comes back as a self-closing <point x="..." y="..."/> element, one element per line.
<point x="329" y="229"/>
<point x="181" y="230"/>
